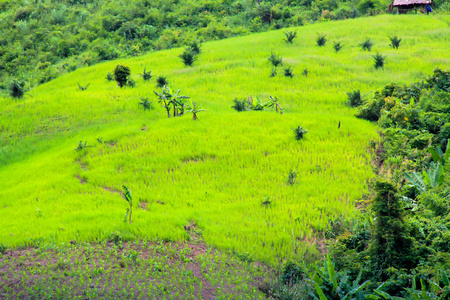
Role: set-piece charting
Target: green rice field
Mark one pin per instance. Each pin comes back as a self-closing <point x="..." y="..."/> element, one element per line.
<point x="227" y="172"/>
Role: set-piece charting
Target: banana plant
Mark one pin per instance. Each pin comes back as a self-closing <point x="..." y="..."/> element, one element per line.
<point x="439" y="156"/>
<point x="330" y="284"/>
<point x="430" y="178"/>
<point x="273" y="102"/>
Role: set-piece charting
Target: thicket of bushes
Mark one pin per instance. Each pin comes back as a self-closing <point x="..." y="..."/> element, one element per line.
<point x="40" y="39"/>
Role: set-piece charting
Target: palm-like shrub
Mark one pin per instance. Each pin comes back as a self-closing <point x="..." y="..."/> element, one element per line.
<point x="321" y="40"/>
<point x="273" y="72"/>
<point x="354" y="98"/>
<point x="276" y="60"/>
<point x="337" y="46"/>
<point x="83" y="88"/>
<point x="305" y="72"/>
<point x="395" y="42"/>
<point x="161" y="81"/>
<point x="196" y="47"/>
<point x="239" y="105"/>
<point x="121" y="74"/>
<point x="288" y="72"/>
<point x="146" y="104"/>
<point x="188" y="57"/>
<point x="131" y="82"/>
<point x="367" y="45"/>
<point x="299" y="132"/>
<point x="146" y="75"/>
<point x="379" y="60"/>
<point x="17" y="88"/>
<point x="290" y="36"/>
<point x="109" y="76"/>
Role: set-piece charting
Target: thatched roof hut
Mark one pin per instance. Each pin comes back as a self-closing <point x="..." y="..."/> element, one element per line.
<point x="404" y="6"/>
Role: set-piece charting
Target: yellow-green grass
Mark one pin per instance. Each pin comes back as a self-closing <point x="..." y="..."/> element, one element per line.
<point x="216" y="171"/>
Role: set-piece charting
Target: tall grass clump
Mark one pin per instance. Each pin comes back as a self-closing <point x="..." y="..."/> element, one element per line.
<point x="367" y="45"/>
<point x="395" y="42"/>
<point x="354" y="98"/>
<point x="379" y="60"/>
<point x="321" y="40"/>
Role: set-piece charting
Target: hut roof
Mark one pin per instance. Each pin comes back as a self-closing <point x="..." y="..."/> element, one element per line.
<point x="411" y="2"/>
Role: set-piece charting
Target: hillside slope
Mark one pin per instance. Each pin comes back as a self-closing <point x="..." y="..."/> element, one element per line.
<point x="227" y="172"/>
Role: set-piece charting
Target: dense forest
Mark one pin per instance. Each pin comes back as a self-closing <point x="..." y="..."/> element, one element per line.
<point x="41" y="39"/>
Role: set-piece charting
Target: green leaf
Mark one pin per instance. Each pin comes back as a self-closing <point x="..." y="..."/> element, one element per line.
<point x="320" y="292"/>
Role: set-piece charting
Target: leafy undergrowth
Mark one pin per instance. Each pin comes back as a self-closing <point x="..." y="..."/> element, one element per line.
<point x="127" y="270"/>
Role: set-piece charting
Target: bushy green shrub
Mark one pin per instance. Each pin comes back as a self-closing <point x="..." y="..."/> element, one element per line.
<point x="17" y="88"/>
<point x="379" y="60"/>
<point x="371" y="109"/>
<point x="121" y="75"/>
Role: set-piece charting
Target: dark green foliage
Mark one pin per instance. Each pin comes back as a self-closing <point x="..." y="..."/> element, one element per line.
<point x="305" y="72"/>
<point x="371" y="109"/>
<point x="196" y="47"/>
<point x="337" y="46"/>
<point x="161" y="81"/>
<point x="292" y="273"/>
<point x="288" y="72"/>
<point x="395" y="42"/>
<point x="81" y="146"/>
<point x="131" y="83"/>
<point x="379" y="60"/>
<point x="146" y="104"/>
<point x="367" y="45"/>
<point x="121" y="75"/>
<point x="239" y="105"/>
<point x="275" y="59"/>
<point x="299" y="132"/>
<point x="331" y="284"/>
<point x="17" y="88"/>
<point x="146" y="75"/>
<point x="321" y="40"/>
<point x="354" y="98"/>
<point x="188" y="57"/>
<point x="391" y="244"/>
<point x="290" y="36"/>
<point x="433" y="121"/>
<point x="440" y="80"/>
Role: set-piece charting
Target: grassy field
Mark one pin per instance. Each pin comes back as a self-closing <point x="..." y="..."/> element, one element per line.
<point x="222" y="171"/>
